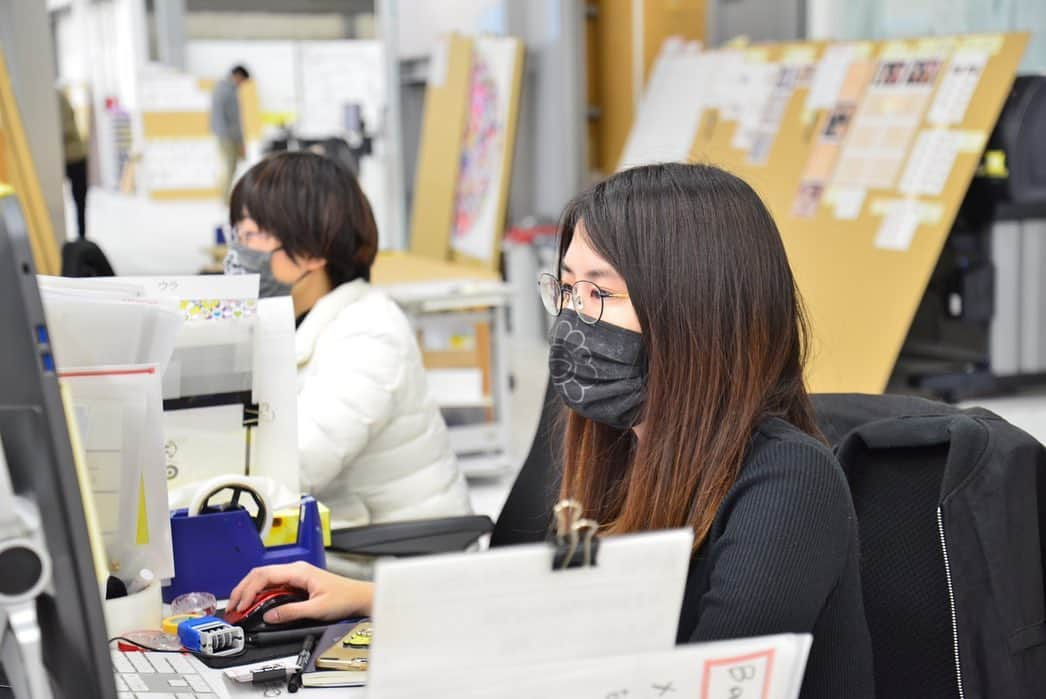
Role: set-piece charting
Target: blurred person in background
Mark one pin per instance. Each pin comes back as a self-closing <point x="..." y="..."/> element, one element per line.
<point x="226" y="126"/>
<point x="75" y="152"/>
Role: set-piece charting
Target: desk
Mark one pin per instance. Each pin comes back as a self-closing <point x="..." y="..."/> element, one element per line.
<point x="275" y="689"/>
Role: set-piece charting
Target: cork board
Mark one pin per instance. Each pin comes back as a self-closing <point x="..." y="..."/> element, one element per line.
<point x="19" y="173"/>
<point x="442" y="132"/>
<point x="864" y="186"/>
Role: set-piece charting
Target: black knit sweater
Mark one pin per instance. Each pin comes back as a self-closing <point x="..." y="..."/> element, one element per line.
<point x="782" y="556"/>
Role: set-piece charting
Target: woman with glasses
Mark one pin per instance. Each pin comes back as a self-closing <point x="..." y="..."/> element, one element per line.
<point x="678" y="348"/>
<point x="372" y="443"/>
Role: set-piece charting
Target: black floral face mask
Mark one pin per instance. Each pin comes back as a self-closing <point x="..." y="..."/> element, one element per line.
<point x="599" y="370"/>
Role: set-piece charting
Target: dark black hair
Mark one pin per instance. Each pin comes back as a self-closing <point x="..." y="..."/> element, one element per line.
<point x="314" y="206"/>
<point x="238" y="199"/>
<point x="241" y="71"/>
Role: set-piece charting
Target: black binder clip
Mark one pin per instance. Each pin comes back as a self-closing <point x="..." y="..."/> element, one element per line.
<point x="576" y="543"/>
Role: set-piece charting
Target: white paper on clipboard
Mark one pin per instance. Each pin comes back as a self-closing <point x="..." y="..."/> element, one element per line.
<point x="513" y="628"/>
<point x="507" y="607"/>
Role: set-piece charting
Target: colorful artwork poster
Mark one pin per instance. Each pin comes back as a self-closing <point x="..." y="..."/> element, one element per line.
<point x="478" y="204"/>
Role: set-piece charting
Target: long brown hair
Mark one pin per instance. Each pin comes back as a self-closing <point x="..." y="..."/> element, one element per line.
<point x="724" y="334"/>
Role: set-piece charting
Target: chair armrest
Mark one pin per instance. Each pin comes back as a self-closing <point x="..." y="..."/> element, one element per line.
<point x="411" y="538"/>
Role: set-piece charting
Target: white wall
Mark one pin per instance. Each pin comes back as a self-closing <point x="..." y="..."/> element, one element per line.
<point x="421" y="21"/>
<point x="882" y="19"/>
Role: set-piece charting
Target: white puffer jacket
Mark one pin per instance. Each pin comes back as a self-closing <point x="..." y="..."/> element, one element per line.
<point x="372" y="442"/>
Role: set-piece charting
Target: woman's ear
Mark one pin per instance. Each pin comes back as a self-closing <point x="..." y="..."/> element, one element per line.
<point x="314" y="263"/>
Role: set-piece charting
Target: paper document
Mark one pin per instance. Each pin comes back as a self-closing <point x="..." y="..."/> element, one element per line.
<point x="897" y="230"/>
<point x="957" y="89"/>
<point x="96" y="329"/>
<point x="507" y="607"/>
<point x="768" y="667"/>
<point x="513" y="628"/>
<point x="118" y="412"/>
<point x="274" y="442"/>
<point x="670" y="109"/>
<point x="201" y="443"/>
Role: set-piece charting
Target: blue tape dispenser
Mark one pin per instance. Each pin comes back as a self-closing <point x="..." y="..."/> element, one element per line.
<point x="215" y="548"/>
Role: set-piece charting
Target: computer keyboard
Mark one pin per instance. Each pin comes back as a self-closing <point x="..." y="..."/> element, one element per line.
<point x="144" y="675"/>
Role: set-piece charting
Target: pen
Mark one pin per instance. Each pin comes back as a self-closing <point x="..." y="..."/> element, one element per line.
<point x="294" y="682"/>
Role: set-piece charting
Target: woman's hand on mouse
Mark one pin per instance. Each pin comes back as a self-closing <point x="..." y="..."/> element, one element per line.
<point x="331" y="597"/>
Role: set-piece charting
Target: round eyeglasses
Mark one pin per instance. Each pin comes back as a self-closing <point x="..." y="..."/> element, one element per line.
<point x="586" y="298"/>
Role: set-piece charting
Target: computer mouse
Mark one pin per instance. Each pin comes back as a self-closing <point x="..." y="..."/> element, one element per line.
<point x="251" y="619"/>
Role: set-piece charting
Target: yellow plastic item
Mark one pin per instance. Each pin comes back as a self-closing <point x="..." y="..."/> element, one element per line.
<point x="995" y="164"/>
<point x="170" y="624"/>
<point x="285" y="526"/>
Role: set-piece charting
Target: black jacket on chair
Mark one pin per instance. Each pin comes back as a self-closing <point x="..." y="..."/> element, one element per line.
<point x="951" y="506"/>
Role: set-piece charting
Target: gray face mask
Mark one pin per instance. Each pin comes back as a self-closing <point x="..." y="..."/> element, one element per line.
<point x="599" y="370"/>
<point x="243" y="260"/>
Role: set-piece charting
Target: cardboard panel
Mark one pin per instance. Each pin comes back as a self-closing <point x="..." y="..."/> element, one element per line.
<point x="442" y="131"/>
<point x="18" y="170"/>
<point x="913" y="134"/>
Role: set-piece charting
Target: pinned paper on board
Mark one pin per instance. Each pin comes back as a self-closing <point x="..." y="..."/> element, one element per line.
<point x="887" y="120"/>
<point x="848" y="202"/>
<point x="670" y="109"/>
<point x="831" y="135"/>
<point x="897" y="230"/>
<point x="930" y="163"/>
<point x="957" y="88"/>
<point x="829" y="76"/>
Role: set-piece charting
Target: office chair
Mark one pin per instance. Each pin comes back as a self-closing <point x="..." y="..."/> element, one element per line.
<point x="951" y="508"/>
<point x="527" y="513"/>
<point x="418" y="537"/>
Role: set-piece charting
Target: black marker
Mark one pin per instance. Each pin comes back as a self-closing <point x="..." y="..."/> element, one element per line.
<point x="272" y="638"/>
<point x="294" y="682"/>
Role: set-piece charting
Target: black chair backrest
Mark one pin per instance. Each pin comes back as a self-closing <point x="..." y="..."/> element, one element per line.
<point x="922" y="474"/>
<point x="895" y="494"/>
<point x="83" y="258"/>
<point x="527" y="514"/>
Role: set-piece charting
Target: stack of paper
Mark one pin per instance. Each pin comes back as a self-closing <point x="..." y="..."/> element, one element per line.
<point x="111" y="344"/>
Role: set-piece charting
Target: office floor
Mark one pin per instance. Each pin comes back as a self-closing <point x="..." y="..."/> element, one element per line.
<point x="144" y="237"/>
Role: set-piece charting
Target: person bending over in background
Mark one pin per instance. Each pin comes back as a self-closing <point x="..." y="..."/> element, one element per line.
<point x="678" y="348"/>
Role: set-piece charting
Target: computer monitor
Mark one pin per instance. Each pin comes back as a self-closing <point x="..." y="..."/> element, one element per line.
<point x="39" y="459"/>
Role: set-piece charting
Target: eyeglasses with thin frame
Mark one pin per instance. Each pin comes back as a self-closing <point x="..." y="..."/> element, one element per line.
<point x="585" y="297"/>
<point x="248" y="236"/>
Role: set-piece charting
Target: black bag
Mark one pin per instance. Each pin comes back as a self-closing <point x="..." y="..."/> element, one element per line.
<point x="83" y="258"/>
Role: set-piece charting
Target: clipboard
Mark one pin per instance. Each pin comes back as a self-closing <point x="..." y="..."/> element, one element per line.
<point x="579" y="615"/>
<point x="578" y="596"/>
